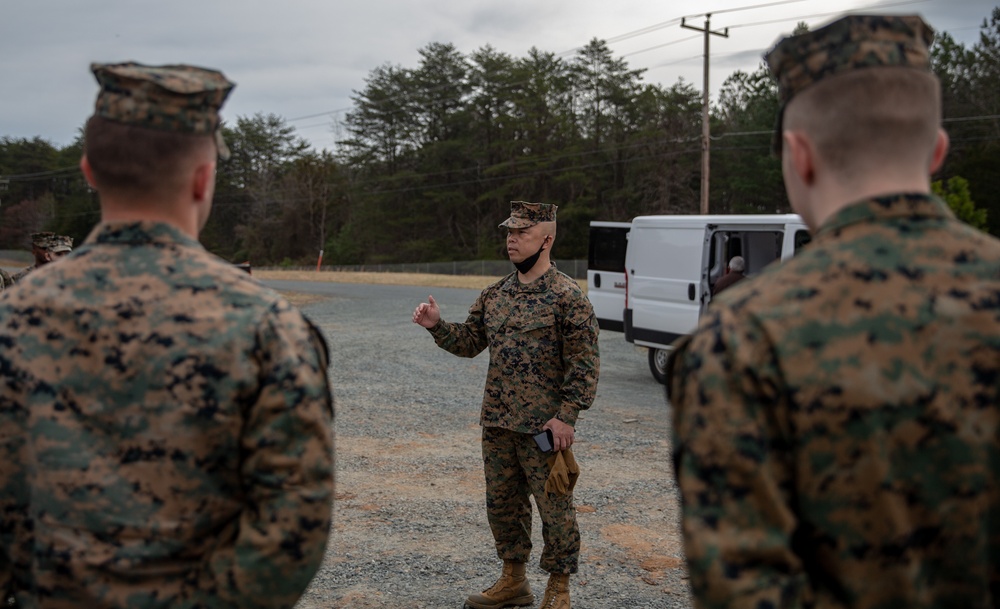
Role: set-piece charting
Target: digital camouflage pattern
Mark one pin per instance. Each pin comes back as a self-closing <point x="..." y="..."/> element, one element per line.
<point x="42" y="240"/>
<point x="60" y="243"/>
<point x="506" y="455"/>
<point x="542" y="339"/>
<point x="166" y="428"/>
<point x="177" y="98"/>
<point x="836" y="420"/>
<point x="45" y="241"/>
<point x="850" y="43"/>
<point x="524" y="215"/>
<point x="19" y="275"/>
<point x="182" y="99"/>
<point x="544" y="363"/>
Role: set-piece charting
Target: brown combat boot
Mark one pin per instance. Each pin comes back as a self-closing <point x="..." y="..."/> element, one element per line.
<point x="511" y="590"/>
<point x="556" y="592"/>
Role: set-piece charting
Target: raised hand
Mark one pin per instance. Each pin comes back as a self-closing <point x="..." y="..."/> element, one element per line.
<point x="427" y="314"/>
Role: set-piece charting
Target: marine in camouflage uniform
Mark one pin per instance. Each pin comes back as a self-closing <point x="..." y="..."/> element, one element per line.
<point x="45" y="247"/>
<point x="19" y="275"/>
<point x="165" y="421"/>
<point x="541" y="333"/>
<point x="836" y="418"/>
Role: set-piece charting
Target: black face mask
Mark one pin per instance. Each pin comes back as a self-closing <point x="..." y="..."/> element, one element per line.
<point x="529" y="263"/>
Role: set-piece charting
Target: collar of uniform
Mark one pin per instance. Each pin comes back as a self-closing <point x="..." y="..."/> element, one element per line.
<point x="541" y="284"/>
<point x="139" y="233"/>
<point x="913" y="205"/>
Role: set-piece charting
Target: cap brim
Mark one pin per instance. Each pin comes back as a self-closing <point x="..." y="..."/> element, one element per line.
<point x="220" y="143"/>
<point x="517" y="223"/>
<point x="60" y="248"/>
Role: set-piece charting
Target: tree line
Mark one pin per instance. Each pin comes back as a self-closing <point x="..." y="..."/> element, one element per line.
<point x="431" y="155"/>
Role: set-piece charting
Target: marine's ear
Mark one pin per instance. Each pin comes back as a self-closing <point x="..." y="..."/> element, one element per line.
<point x="203" y="181"/>
<point x="88" y="172"/>
<point x="801" y="156"/>
<point x="941" y="146"/>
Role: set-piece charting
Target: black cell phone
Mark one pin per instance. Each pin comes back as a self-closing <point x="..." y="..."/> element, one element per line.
<point x="544" y="440"/>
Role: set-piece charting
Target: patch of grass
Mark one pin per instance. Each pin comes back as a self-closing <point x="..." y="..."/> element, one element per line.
<point x="473" y="282"/>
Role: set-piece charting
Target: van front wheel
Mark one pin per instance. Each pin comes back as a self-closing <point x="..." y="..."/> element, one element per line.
<point x="658" y="364"/>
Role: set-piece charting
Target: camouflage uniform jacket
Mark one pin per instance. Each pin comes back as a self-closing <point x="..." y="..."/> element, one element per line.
<point x="836" y="420"/>
<point x="544" y="358"/>
<point x="166" y="424"/>
<point x="18" y="276"/>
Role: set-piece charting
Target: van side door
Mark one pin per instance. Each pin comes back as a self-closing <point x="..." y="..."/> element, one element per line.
<point x="758" y="244"/>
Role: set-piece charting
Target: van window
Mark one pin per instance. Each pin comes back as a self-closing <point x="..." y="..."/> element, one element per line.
<point x="802" y="238"/>
<point x="607" y="249"/>
<point x="762" y="248"/>
<point x="758" y="249"/>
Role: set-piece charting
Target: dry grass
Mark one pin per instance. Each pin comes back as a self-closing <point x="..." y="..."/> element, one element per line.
<point x="13" y="264"/>
<point x="474" y="282"/>
<point x="418" y="279"/>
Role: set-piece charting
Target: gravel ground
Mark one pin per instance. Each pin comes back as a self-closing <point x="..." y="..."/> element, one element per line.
<point x="410" y="526"/>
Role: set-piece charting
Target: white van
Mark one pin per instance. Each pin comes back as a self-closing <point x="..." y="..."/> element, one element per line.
<point x="672" y="262"/>
<point x="606" y="272"/>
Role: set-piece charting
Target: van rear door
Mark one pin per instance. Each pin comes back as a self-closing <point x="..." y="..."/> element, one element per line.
<point x="606" y="272"/>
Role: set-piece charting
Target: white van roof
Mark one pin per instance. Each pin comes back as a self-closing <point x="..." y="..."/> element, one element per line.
<point x="700" y="220"/>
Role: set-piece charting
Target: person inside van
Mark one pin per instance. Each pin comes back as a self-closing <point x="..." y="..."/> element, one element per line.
<point x="734" y="272"/>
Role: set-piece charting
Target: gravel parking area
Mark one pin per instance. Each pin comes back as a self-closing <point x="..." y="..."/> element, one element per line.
<point x="410" y="526"/>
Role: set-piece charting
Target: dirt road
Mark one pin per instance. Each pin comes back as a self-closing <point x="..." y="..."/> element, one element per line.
<point x="410" y="526"/>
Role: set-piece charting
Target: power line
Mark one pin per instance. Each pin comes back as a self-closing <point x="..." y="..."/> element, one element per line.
<point x="652" y="28"/>
<point x="228" y="203"/>
<point x="73" y="171"/>
<point x="828" y="14"/>
<point x="612" y="40"/>
<point x="675" y="21"/>
<point x="328" y="113"/>
<point x="677" y="61"/>
<point x="987" y="117"/>
<point x="660" y="46"/>
<point x="745" y="8"/>
<point x="54" y="173"/>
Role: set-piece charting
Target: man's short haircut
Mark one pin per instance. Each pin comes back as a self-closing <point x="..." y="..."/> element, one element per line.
<point x="133" y="160"/>
<point x="737" y="264"/>
<point x="865" y="119"/>
<point x="549" y="228"/>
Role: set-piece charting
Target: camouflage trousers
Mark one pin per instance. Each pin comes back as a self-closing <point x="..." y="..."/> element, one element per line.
<point x="515" y="468"/>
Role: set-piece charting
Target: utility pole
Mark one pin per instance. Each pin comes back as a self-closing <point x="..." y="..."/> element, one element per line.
<point x="704" y="109"/>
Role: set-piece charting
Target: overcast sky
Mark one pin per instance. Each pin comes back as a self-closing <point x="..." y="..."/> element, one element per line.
<point x="302" y="59"/>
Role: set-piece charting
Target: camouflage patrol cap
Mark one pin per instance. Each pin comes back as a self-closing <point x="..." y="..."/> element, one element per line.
<point x="850" y="43"/>
<point x="42" y="240"/>
<point x="61" y="243"/>
<point x="524" y="214"/>
<point x="178" y="98"/>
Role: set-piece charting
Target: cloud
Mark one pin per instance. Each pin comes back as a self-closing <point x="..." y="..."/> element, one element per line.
<point x="299" y="58"/>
